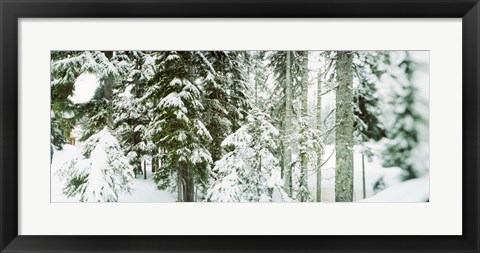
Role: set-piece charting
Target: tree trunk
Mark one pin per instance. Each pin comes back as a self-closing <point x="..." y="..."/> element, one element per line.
<point x="344" y="130"/>
<point x="190" y="192"/>
<point x="287" y="156"/>
<point x="259" y="157"/>
<point x="282" y="158"/>
<point x="108" y="89"/>
<point x="186" y="189"/>
<point x="319" y="129"/>
<point x="256" y="88"/>
<point x="145" y="170"/>
<point x="155" y="163"/>
<point x="304" y="112"/>
<point x="187" y="176"/>
<point x="139" y="168"/>
<point x="179" y="185"/>
<point x="363" y="176"/>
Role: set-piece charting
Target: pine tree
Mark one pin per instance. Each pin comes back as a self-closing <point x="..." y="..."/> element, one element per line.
<point x="319" y="127"/>
<point x="366" y="99"/>
<point x="259" y="72"/>
<point x="287" y="155"/>
<point x="66" y="67"/>
<point x="403" y="136"/>
<point x="289" y="67"/>
<point x="304" y="128"/>
<point x="285" y="66"/>
<point x="131" y="115"/>
<point x="344" y="129"/>
<point x="178" y="125"/>
<point x="224" y="95"/>
<point x="249" y="172"/>
<point x="100" y="172"/>
<point x="366" y="110"/>
<point x="111" y="68"/>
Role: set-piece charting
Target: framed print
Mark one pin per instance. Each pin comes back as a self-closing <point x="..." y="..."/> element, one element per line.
<point x="239" y="126"/>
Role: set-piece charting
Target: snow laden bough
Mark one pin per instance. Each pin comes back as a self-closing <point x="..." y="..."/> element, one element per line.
<point x="100" y="172"/>
<point x="249" y="172"/>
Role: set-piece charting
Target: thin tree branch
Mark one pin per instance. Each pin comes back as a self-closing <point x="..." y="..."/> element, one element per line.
<point x="323" y="163"/>
<point x="329" y="131"/>
<point x="328" y="115"/>
<point x="328" y="158"/>
<point x="331" y="89"/>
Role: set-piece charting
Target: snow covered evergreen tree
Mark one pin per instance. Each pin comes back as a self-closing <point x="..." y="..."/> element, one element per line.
<point x="111" y="68"/>
<point x="369" y="70"/>
<point x="186" y="111"/>
<point x="177" y="125"/>
<point x="131" y="115"/>
<point x="304" y="129"/>
<point x="403" y="132"/>
<point x="319" y="127"/>
<point x="286" y="67"/>
<point x="100" y="172"/>
<point x="258" y="74"/>
<point x="66" y="67"/>
<point x="224" y="92"/>
<point x="249" y="172"/>
<point x="287" y="122"/>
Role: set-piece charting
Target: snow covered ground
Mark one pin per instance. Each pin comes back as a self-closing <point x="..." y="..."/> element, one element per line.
<point x="60" y="157"/>
<point x="373" y="171"/>
<point x="414" y="190"/>
<point x="146" y="192"/>
<point x="144" y="189"/>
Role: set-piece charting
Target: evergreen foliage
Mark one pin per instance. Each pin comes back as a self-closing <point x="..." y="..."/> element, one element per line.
<point x="177" y="124"/>
<point x="66" y="67"/>
<point x="100" y="172"/>
<point x="366" y="109"/>
<point x="235" y="126"/>
<point x="403" y="131"/>
<point x="249" y="172"/>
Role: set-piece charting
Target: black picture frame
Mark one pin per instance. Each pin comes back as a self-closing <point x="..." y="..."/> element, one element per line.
<point x="11" y="11"/>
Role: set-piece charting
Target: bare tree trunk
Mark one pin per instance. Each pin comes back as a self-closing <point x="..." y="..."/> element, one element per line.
<point x="344" y="130"/>
<point x="154" y="164"/>
<point x="319" y="129"/>
<point x="363" y="176"/>
<point x="287" y="155"/>
<point x="282" y="158"/>
<point x="304" y="112"/>
<point x="145" y="169"/>
<point x="179" y="185"/>
<point x="259" y="157"/>
<point x="256" y="89"/>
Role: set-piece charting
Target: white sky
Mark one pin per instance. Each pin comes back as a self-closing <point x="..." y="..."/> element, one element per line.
<point x="85" y="86"/>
